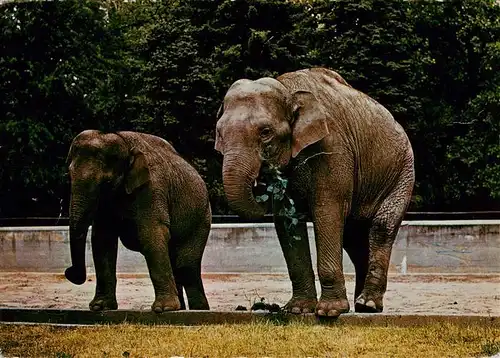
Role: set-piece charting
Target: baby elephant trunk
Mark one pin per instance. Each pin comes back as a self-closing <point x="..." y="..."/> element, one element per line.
<point x="79" y="222"/>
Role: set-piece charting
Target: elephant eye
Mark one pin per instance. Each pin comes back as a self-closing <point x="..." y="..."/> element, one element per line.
<point x="266" y="133"/>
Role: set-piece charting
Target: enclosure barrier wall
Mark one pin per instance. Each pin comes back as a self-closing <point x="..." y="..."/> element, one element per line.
<point x="448" y="247"/>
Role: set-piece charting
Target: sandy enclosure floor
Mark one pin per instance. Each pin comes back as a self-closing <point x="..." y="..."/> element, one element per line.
<point x="409" y="294"/>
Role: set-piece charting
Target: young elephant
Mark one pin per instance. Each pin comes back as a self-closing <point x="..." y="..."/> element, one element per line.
<point x="136" y="186"/>
<point x="350" y="170"/>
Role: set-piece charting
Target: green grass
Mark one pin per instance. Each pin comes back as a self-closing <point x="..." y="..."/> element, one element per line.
<point x="252" y="340"/>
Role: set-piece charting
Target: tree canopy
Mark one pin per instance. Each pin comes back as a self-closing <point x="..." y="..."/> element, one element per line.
<point x="163" y="68"/>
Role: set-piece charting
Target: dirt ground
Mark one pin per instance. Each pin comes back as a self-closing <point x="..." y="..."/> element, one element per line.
<point x="408" y="294"/>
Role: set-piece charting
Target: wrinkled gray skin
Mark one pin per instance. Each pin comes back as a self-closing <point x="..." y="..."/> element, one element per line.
<point x="350" y="169"/>
<point x="135" y="186"/>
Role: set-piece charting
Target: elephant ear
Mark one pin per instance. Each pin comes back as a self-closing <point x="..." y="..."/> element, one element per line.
<point x="138" y="174"/>
<point x="219" y="146"/>
<point x="218" y="143"/>
<point x="71" y="151"/>
<point x="310" y="124"/>
<point x="70" y="155"/>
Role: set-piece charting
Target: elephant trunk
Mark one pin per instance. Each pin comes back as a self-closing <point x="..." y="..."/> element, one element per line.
<point x="239" y="172"/>
<point x="82" y="206"/>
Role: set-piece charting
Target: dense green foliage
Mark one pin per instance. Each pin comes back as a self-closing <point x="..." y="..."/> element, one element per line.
<point x="163" y="68"/>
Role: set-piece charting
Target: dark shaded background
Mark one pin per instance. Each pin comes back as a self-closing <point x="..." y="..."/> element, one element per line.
<point x="164" y="67"/>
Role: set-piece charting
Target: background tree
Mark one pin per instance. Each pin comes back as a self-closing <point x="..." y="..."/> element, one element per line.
<point x="163" y="67"/>
<point x="456" y="130"/>
<point x="59" y="72"/>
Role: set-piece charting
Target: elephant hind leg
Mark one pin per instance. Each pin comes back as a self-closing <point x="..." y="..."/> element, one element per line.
<point x="155" y="248"/>
<point x="180" y="293"/>
<point x="178" y="285"/>
<point x="187" y="269"/>
<point x="190" y="277"/>
<point x="383" y="231"/>
<point x="355" y="243"/>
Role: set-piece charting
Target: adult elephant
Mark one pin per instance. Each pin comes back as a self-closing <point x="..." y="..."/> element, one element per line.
<point x="350" y="169"/>
<point x="136" y="186"/>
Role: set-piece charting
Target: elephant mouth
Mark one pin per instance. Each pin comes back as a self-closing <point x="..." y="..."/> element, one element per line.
<point x="259" y="188"/>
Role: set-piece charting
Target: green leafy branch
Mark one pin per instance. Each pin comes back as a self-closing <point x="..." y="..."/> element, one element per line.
<point x="276" y="191"/>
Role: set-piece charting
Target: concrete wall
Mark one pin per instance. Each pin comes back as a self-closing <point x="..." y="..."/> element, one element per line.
<point x="471" y="246"/>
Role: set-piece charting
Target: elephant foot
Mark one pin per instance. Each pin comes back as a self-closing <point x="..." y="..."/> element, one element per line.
<point x="366" y="303"/>
<point x="166" y="303"/>
<point x="332" y="307"/>
<point x="199" y="305"/>
<point x="103" y="303"/>
<point x="301" y="305"/>
<point x="76" y="276"/>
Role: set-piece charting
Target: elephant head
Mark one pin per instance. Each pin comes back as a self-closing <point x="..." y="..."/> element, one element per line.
<point x="263" y="121"/>
<point x="100" y="165"/>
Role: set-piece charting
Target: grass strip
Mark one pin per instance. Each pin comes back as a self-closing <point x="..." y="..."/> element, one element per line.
<point x="249" y="340"/>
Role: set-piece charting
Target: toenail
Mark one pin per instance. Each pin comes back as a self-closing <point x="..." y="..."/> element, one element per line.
<point x="296" y="310"/>
<point x="321" y="313"/>
<point x="371" y="304"/>
<point x="333" y="313"/>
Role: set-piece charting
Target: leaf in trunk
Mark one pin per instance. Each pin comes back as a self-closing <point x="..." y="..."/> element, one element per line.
<point x="262" y="198"/>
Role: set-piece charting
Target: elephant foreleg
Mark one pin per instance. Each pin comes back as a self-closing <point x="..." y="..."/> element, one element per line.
<point x="298" y="260"/>
<point x="104" y="252"/>
<point x="328" y="227"/>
